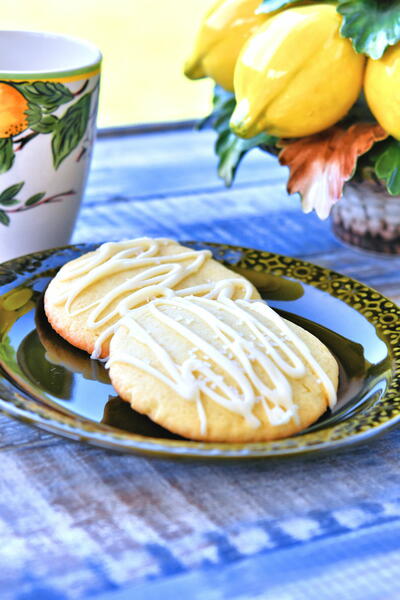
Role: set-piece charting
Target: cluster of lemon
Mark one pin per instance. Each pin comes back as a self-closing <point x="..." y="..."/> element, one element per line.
<point x="292" y="72"/>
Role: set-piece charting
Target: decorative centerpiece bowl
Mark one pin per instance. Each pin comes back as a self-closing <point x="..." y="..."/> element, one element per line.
<point x="316" y="84"/>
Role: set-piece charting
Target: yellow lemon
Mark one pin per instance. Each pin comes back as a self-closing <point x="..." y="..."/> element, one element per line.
<point x="296" y="75"/>
<point x="382" y="90"/>
<point x="222" y="34"/>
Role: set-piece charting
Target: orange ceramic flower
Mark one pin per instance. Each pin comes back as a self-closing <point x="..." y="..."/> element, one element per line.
<point x="13" y="107"/>
<point x="320" y="164"/>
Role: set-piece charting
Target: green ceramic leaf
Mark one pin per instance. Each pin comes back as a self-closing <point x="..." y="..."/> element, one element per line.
<point x="6" y="154"/>
<point x="231" y="150"/>
<point x="223" y="103"/>
<point x="35" y="199"/>
<point x="4" y="218"/>
<point x="387" y="167"/>
<point x="372" y="25"/>
<point x="229" y="147"/>
<point x="70" y="129"/>
<point x="8" y="195"/>
<point x="46" y="94"/>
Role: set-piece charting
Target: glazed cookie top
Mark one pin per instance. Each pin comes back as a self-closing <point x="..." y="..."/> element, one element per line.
<point x="238" y="355"/>
<point x="102" y="287"/>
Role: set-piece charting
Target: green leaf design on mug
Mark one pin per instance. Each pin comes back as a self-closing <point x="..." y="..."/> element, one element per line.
<point x="47" y="94"/>
<point x="6" y="154"/>
<point x="8" y="199"/>
<point x="70" y="129"/>
<point x="39" y="122"/>
<point x="7" y="196"/>
<point x="46" y="125"/>
<point x="35" y="199"/>
<point x="34" y="114"/>
<point x="4" y="218"/>
<point x="10" y="202"/>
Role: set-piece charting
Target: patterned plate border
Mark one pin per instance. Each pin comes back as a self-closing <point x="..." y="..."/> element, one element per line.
<point x="371" y="420"/>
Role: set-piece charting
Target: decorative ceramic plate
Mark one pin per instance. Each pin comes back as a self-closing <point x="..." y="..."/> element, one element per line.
<point x="48" y="383"/>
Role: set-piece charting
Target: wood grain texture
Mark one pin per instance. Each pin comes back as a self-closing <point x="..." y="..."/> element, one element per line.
<point x="15" y="434"/>
<point x="83" y="520"/>
<point x="78" y="521"/>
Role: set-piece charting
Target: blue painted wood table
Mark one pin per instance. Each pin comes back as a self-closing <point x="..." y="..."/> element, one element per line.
<point x="80" y="522"/>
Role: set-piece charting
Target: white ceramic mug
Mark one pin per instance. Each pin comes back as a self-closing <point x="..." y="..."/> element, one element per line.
<point x="49" y="86"/>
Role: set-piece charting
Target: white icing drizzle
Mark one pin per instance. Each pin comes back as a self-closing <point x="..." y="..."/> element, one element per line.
<point x="158" y="277"/>
<point x="234" y="354"/>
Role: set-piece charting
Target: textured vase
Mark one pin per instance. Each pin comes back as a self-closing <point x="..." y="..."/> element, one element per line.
<point x="368" y="217"/>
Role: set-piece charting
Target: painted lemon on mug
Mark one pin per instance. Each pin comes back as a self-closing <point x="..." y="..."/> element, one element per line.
<point x="13" y="107"/>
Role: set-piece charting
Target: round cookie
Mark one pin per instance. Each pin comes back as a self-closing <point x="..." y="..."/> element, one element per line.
<point x="89" y="295"/>
<point x="221" y="370"/>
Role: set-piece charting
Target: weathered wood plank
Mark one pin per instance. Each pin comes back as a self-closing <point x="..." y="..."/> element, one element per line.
<point x="168" y="163"/>
<point x="83" y="520"/>
<point x="15" y="434"/>
<point x="255" y="217"/>
<point x="331" y="569"/>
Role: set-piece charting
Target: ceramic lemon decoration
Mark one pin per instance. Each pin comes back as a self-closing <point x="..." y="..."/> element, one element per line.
<point x="296" y="75"/>
<point x="221" y="36"/>
<point x="382" y="90"/>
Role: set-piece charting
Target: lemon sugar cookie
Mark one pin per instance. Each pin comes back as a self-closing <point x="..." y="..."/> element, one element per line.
<point x="90" y="294"/>
<point x="221" y="370"/>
